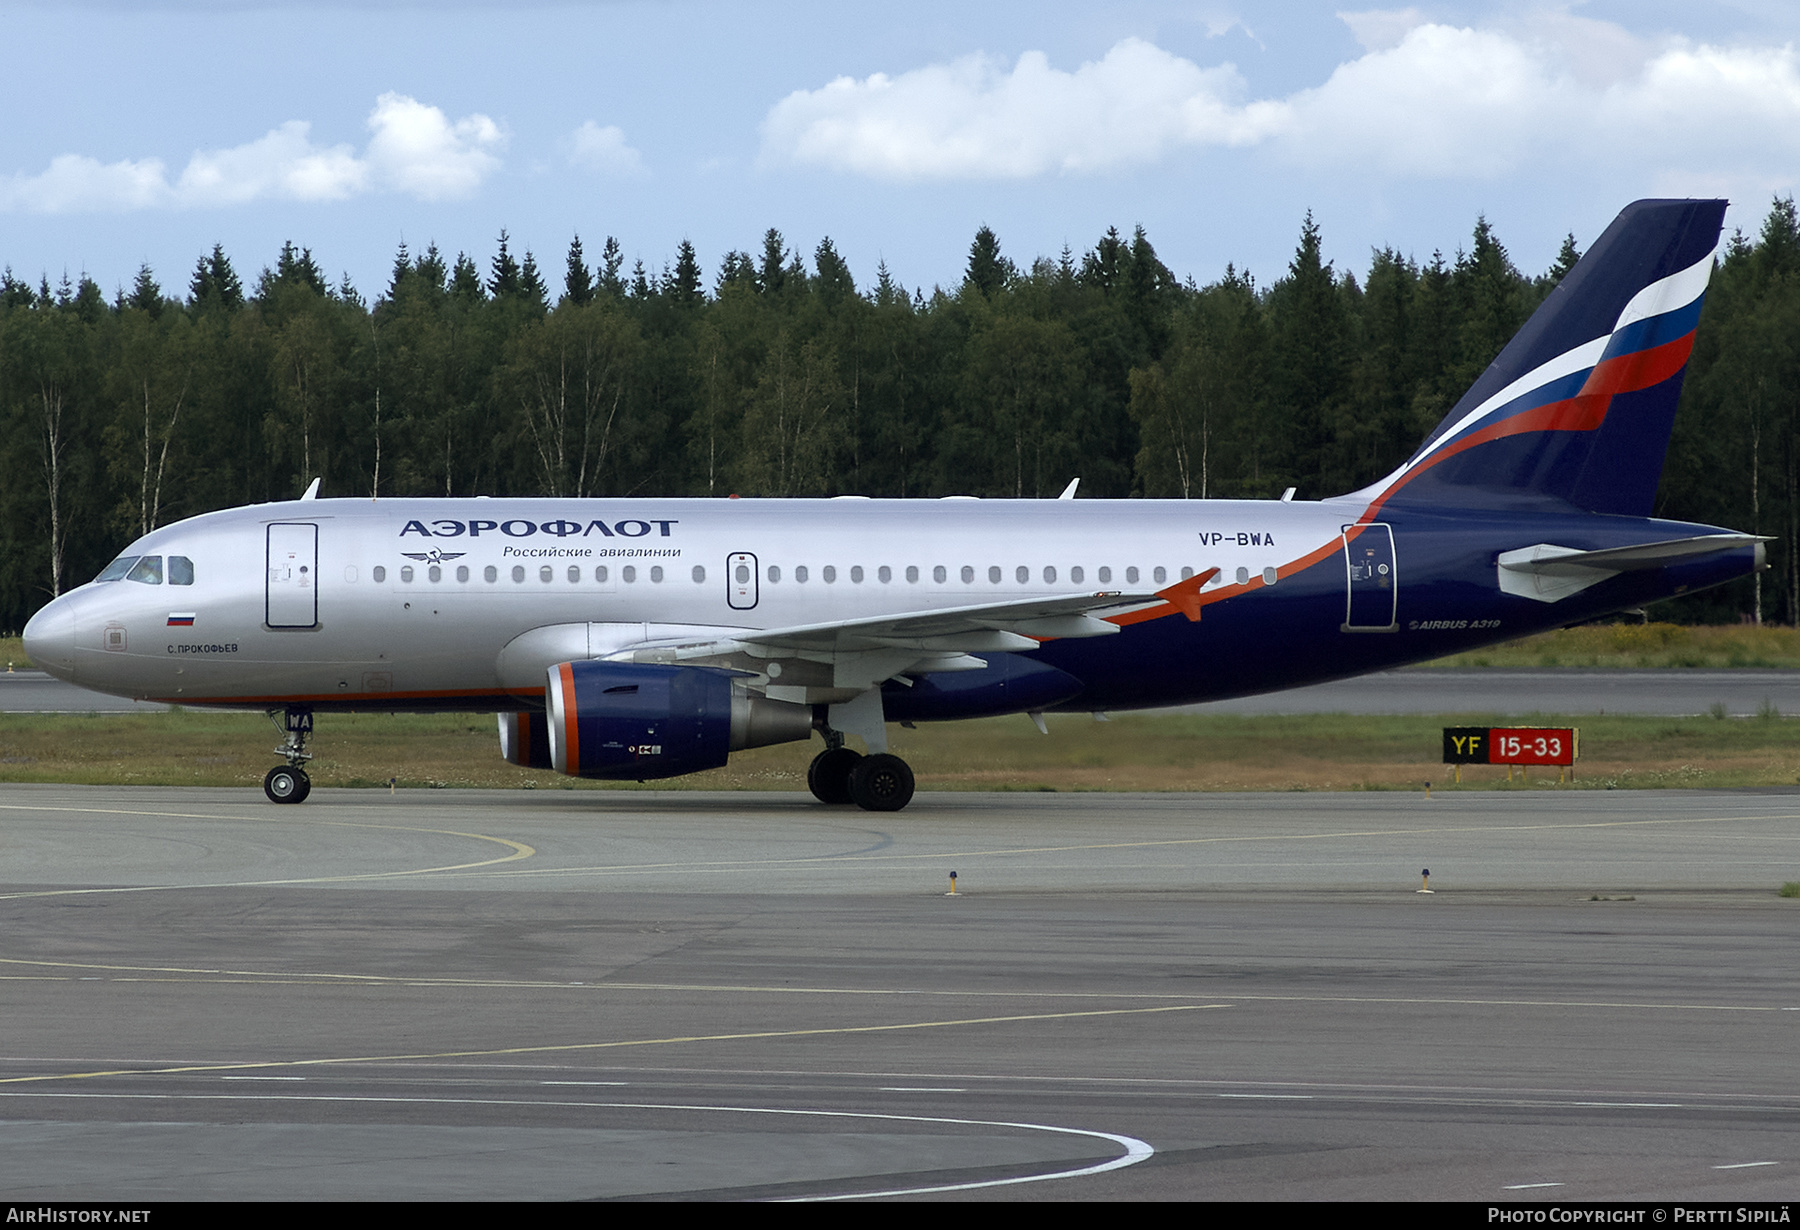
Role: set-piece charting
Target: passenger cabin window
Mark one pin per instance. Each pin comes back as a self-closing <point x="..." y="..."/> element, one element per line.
<point x="181" y="570"/>
<point x="489" y="574"/>
<point x="378" y="573"/>
<point x="147" y="571"/>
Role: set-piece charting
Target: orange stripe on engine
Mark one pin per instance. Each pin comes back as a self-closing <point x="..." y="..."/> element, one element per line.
<point x="571" y="740"/>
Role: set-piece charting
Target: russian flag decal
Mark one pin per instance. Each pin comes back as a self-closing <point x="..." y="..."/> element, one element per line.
<point x="181" y="619"/>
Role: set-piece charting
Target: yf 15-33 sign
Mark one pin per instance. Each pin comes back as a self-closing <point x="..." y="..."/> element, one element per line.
<point x="1556" y="745"/>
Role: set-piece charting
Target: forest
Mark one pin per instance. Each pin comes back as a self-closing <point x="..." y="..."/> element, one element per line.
<point x="780" y="375"/>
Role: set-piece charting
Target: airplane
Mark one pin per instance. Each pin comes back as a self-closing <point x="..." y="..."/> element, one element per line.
<point x="639" y="639"/>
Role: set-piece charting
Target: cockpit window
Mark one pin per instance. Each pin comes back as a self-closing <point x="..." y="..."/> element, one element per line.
<point x="148" y="570"/>
<point x="118" y="568"/>
<point x="181" y="570"/>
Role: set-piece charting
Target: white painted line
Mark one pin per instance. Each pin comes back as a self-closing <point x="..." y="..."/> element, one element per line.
<point x="1135" y="1150"/>
<point x="1271" y="1097"/>
<point x="262" y="1078"/>
<point x="1634" y="1105"/>
<point x="608" y="1083"/>
<point x="1744" y="1165"/>
<point x="1519" y="1187"/>
<point x="919" y="1089"/>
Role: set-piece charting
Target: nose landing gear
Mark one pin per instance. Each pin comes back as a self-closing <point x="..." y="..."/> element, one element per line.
<point x="289" y="783"/>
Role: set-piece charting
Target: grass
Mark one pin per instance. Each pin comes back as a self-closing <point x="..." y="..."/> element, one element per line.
<point x="1658" y="646"/>
<point x="1132" y="752"/>
<point x="1791" y="889"/>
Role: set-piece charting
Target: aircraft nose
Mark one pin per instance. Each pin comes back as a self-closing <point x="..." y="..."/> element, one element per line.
<point x="50" y="639"/>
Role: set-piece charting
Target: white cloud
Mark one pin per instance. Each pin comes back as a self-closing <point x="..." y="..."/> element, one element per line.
<point x="417" y="150"/>
<point x="74" y="183"/>
<point x="1380" y="29"/>
<point x="604" y="150"/>
<point x="284" y="164"/>
<point x="974" y="120"/>
<point x="1424" y="101"/>
<point x="413" y="149"/>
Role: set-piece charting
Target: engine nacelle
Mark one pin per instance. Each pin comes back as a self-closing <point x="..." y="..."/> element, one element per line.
<point x="525" y="740"/>
<point x="636" y="721"/>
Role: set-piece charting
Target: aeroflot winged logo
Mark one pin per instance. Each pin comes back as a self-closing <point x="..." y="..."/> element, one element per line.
<point x="434" y="556"/>
<point x="519" y="527"/>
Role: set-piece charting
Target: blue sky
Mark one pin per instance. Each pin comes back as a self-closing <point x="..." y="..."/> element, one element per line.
<point x="147" y="132"/>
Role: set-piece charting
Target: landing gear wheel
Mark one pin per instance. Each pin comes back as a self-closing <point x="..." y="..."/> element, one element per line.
<point x="828" y="776"/>
<point x="285" y="785"/>
<point x="881" y="783"/>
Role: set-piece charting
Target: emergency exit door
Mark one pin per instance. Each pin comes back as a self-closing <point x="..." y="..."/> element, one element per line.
<point x="741" y="581"/>
<point x="292" y="595"/>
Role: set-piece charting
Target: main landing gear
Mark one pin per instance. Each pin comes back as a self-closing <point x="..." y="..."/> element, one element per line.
<point x="289" y="783"/>
<point x="839" y="775"/>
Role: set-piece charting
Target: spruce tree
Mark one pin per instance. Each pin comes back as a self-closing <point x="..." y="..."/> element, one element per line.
<point x="578" y="283"/>
<point x="146" y="295"/>
<point x="988" y="270"/>
<point x="504" y="282"/>
<point x="684" y="283"/>
<point x="612" y="259"/>
<point x="465" y="280"/>
<point x="531" y="283"/>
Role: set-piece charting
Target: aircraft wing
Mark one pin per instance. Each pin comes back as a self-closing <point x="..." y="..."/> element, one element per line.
<point x="1017" y="625"/>
<point x="833" y="662"/>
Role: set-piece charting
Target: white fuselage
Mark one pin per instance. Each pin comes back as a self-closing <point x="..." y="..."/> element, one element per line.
<point x="416" y="601"/>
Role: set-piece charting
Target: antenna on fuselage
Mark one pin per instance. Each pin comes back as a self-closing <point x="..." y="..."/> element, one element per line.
<point x="312" y="492"/>
<point x="1069" y="491"/>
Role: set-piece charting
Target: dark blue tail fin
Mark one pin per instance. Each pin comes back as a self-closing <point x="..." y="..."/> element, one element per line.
<point x="1579" y="406"/>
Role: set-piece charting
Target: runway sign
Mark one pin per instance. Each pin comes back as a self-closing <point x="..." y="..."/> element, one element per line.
<point x="1522" y="745"/>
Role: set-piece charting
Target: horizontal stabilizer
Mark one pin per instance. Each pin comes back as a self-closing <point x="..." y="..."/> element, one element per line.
<point x="1549" y="573"/>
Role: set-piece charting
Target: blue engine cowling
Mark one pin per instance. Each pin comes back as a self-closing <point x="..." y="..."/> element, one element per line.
<point x="636" y="721"/>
